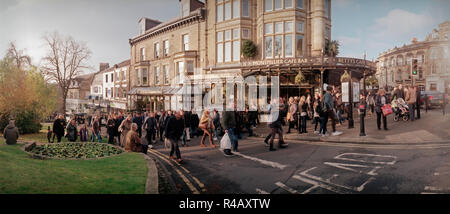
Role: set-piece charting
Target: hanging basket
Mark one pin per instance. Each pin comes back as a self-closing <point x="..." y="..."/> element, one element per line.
<point x="300" y="78"/>
<point x="345" y="77"/>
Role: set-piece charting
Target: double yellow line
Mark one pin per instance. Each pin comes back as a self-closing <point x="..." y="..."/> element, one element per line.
<point x="182" y="176"/>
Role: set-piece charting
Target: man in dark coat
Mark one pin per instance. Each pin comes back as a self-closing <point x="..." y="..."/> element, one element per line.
<point x="117" y="121"/>
<point x="173" y="133"/>
<point x="150" y="126"/>
<point x="229" y="125"/>
<point x="138" y="119"/>
<point x="194" y="123"/>
<point x="58" y="128"/>
<point x="11" y="133"/>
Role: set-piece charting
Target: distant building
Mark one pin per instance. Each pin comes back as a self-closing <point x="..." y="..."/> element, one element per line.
<point x="432" y="54"/>
<point x="77" y="97"/>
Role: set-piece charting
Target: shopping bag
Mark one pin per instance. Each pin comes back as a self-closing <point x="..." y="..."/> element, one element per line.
<point x="387" y="110"/>
<point x="225" y="143"/>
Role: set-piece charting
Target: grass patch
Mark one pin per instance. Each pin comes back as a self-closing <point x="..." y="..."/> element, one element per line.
<point x="20" y="174"/>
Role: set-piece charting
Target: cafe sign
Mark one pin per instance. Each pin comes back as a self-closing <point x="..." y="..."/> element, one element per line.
<point x="309" y="61"/>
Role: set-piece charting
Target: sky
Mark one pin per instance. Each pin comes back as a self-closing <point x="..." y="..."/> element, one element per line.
<point x="106" y="25"/>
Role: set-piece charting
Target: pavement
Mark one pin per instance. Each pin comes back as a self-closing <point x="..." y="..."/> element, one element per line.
<point x="432" y="128"/>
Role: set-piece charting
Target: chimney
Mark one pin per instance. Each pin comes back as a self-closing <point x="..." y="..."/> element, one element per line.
<point x="146" y="23"/>
<point x="103" y="66"/>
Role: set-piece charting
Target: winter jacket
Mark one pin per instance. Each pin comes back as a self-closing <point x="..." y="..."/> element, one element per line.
<point x="110" y="125"/>
<point x="187" y="118"/>
<point x="228" y="120"/>
<point x="150" y="124"/>
<point x="194" y="120"/>
<point x="328" y="99"/>
<point x="411" y="96"/>
<point x="379" y="104"/>
<point x="133" y="142"/>
<point x="58" y="126"/>
<point x="174" y="128"/>
<point x="72" y="132"/>
<point x="11" y="134"/>
<point x="216" y="120"/>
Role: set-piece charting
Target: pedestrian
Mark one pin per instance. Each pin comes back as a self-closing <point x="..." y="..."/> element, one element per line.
<point x="186" y="115"/>
<point x="380" y="101"/>
<point x="303" y="106"/>
<point x="49" y="134"/>
<point x="58" y="128"/>
<point x="411" y="101"/>
<point x="399" y="92"/>
<point x="161" y="125"/>
<point x="194" y="123"/>
<point x="276" y="127"/>
<point x="316" y="113"/>
<point x="371" y="102"/>
<point x="96" y="129"/>
<point x="11" y="133"/>
<point x="206" y="125"/>
<point x="139" y="121"/>
<point x="124" y="128"/>
<point x="229" y="125"/>
<point x="117" y="122"/>
<point x="418" y="95"/>
<point x="133" y="141"/>
<point x="292" y="114"/>
<point x="328" y="104"/>
<point x="150" y="126"/>
<point x="110" y="128"/>
<point x="72" y="132"/>
<point x="84" y="135"/>
<point x="247" y="121"/>
<point x="217" y="125"/>
<point x="173" y="132"/>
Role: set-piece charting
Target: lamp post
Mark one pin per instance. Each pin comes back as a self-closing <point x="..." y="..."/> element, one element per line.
<point x="385" y="80"/>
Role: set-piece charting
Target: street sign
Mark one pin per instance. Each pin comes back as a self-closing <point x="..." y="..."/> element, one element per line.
<point x="345" y="92"/>
<point x="355" y="92"/>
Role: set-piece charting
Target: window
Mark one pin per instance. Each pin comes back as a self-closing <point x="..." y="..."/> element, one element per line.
<point x="227" y="51"/>
<point x="268" y="46"/>
<point x="124" y="76"/>
<point x="157" y="49"/>
<point x="106" y="78"/>
<point x="166" y="47"/>
<point x="288" y="27"/>
<point x="186" y="42"/>
<point x="268" y="28"/>
<point x="220" y="13"/>
<point x="117" y="92"/>
<point x="268" y="5"/>
<point x="112" y="77"/>
<point x="278" y="46"/>
<point x="138" y="77"/>
<point x="117" y="76"/>
<point x="228" y="11"/>
<point x="166" y="74"/>
<point x="236" y="50"/>
<point x="236" y="9"/>
<point x="245" y="33"/>
<point x="142" y="54"/>
<point x="288" y="45"/>
<point x="220" y="52"/>
<point x="144" y="76"/>
<point x="190" y="67"/>
<point x="246" y="8"/>
<point x="433" y="87"/>
<point x="287" y="3"/>
<point x="180" y="69"/>
<point x="299" y="27"/>
<point x="158" y="80"/>
<point x="278" y="4"/>
<point x="300" y="4"/>
<point x="236" y="33"/>
<point x="279" y="27"/>
<point x="299" y="45"/>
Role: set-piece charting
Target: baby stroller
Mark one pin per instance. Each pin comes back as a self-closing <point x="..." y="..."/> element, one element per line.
<point x="400" y="109"/>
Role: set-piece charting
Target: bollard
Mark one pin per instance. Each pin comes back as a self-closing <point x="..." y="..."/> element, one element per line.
<point x="362" y="114"/>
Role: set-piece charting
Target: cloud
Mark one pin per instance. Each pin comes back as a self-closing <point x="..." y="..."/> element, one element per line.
<point x="401" y="25"/>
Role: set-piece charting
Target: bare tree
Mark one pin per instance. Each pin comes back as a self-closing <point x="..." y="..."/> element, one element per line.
<point x="64" y="61"/>
<point x="19" y="58"/>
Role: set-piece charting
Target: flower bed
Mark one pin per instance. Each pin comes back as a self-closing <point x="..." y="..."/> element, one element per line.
<point x="73" y="150"/>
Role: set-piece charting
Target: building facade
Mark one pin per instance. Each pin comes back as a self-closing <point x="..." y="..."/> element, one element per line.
<point x="433" y="58"/>
<point x="204" y="45"/>
<point x="77" y="97"/>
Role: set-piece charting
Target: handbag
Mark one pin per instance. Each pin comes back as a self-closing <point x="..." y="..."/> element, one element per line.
<point x="387" y="110"/>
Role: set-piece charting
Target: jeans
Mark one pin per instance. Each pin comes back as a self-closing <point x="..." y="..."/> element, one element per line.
<point x="280" y="136"/>
<point x="174" y="148"/>
<point x="412" y="110"/>
<point x="99" y="138"/>
<point x="316" y="123"/>
<point x="332" y="116"/>
<point x="111" y="138"/>
<point x="216" y="132"/>
<point x="233" y="138"/>
<point x="186" y="136"/>
<point x="323" y="125"/>
<point x="303" y="124"/>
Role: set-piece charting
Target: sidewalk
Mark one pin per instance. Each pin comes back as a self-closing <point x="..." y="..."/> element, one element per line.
<point x="432" y="128"/>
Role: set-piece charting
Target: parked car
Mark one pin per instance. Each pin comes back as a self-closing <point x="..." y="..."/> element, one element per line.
<point x="435" y="98"/>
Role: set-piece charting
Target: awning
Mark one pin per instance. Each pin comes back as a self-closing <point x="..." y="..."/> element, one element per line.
<point x="146" y="91"/>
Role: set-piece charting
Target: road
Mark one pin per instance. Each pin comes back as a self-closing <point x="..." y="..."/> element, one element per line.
<point x="309" y="168"/>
